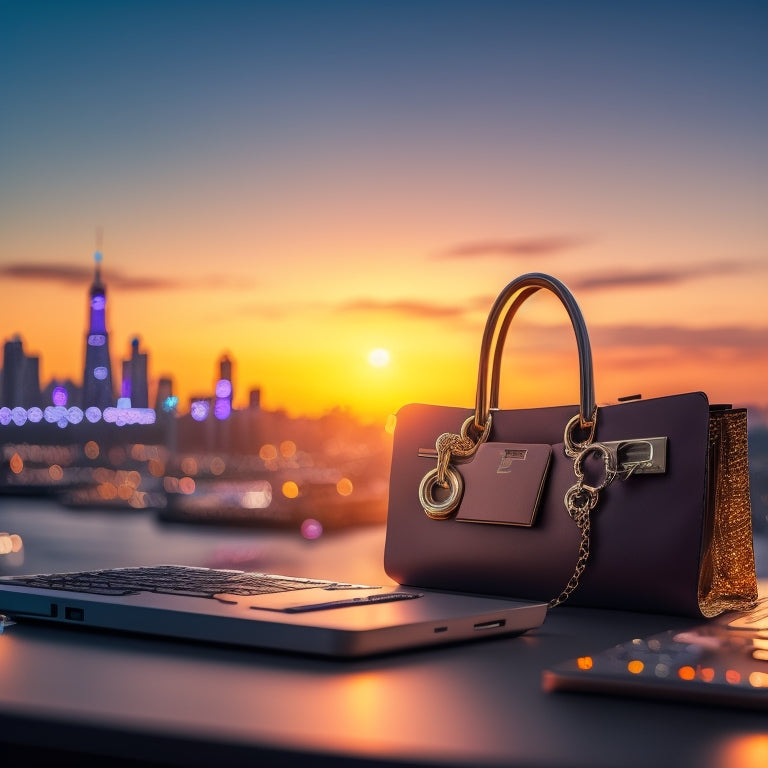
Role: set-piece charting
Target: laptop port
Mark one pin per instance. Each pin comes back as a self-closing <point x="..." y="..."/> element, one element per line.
<point x="73" y="614"/>
<point x="495" y="624"/>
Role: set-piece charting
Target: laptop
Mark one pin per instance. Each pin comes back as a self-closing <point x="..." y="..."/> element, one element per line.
<point x="265" y="611"/>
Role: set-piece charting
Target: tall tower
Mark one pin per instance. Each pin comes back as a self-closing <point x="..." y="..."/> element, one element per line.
<point x="97" y="376"/>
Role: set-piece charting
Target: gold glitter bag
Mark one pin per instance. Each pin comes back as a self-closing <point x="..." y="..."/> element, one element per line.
<point x="638" y="505"/>
<point x="727" y="576"/>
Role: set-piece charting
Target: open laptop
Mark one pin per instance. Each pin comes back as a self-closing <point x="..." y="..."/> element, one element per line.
<point x="266" y="611"/>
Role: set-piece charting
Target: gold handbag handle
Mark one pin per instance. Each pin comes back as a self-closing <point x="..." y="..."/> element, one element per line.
<point x="497" y="325"/>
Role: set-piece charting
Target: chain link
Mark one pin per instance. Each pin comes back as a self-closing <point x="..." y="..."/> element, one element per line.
<point x="450" y="445"/>
<point x="580" y="499"/>
<point x="582" y="520"/>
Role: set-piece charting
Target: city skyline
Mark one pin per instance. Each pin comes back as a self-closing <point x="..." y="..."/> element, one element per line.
<point x="97" y="389"/>
<point x="295" y="185"/>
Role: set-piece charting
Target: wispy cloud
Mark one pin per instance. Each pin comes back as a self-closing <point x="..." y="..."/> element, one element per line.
<point x="78" y="275"/>
<point x="681" y="337"/>
<point x="58" y="273"/>
<point x="549" y="245"/>
<point x="662" y="276"/>
<point x="665" y="344"/>
<point x="421" y="310"/>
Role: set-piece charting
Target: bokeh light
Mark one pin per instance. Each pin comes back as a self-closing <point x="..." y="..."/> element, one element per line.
<point x="290" y="489"/>
<point x="311" y="529"/>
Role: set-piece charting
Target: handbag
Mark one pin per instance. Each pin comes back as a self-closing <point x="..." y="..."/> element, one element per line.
<point x="641" y="505"/>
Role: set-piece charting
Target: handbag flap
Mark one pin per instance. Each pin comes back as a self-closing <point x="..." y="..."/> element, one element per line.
<point x="503" y="483"/>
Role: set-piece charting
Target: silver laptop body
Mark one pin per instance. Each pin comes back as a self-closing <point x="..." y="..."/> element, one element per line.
<point x="308" y="616"/>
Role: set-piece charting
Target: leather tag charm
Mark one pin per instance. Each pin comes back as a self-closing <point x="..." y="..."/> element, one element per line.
<point x="503" y="483"/>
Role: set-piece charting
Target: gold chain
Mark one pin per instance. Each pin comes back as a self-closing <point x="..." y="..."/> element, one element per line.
<point x="581" y="562"/>
<point x="580" y="499"/>
<point x="581" y="517"/>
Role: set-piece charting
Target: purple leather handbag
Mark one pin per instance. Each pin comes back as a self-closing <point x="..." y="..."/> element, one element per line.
<point x="640" y="505"/>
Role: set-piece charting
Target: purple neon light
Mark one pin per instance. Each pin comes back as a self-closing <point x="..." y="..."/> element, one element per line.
<point x="62" y="416"/>
<point x="199" y="409"/>
<point x="35" y="415"/>
<point x="93" y="414"/>
<point x="222" y="409"/>
<point x="223" y="388"/>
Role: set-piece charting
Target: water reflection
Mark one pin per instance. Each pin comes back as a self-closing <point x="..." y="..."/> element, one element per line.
<point x="57" y="538"/>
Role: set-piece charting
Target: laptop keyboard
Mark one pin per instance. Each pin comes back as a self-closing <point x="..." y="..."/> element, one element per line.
<point x="174" y="580"/>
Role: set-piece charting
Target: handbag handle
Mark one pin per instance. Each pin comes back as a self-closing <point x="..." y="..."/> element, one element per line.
<point x="496" y="327"/>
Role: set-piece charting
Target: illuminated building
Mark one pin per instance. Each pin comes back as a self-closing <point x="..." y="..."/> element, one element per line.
<point x="97" y="375"/>
<point x="134" y="386"/>
<point x="166" y="402"/>
<point x="20" y="383"/>
<point x="222" y="408"/>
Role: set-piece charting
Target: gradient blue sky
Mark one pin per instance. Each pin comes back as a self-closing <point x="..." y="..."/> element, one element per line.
<point x="295" y="183"/>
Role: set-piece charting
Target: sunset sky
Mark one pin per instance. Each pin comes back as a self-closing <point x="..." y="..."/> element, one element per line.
<point x="297" y="183"/>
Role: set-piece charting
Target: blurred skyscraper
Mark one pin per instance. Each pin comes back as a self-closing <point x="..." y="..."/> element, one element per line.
<point x="223" y="403"/>
<point x="135" y="386"/>
<point x="97" y="375"/>
<point x="165" y="401"/>
<point x="20" y="383"/>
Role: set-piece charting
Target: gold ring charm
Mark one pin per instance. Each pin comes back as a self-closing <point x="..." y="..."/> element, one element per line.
<point x="484" y="432"/>
<point x="440" y="510"/>
<point x="573" y="448"/>
<point x="579" y="501"/>
<point x="609" y="462"/>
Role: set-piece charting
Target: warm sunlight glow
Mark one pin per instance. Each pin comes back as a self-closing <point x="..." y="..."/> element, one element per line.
<point x="378" y="357"/>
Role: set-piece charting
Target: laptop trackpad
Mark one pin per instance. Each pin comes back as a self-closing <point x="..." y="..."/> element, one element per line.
<point x="317" y="599"/>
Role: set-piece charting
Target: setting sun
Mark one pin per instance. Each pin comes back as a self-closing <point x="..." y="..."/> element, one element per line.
<point x="378" y="357"/>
